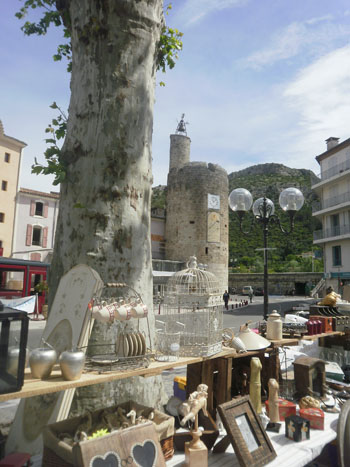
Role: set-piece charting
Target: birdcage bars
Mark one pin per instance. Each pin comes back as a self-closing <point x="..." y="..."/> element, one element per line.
<point x="193" y="307"/>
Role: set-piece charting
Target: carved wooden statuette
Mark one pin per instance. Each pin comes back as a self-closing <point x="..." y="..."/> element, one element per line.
<point x="196" y="452"/>
<point x="273" y="406"/>
<point x="255" y="383"/>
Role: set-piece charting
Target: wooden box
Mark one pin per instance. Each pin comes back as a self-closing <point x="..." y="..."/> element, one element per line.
<point x="309" y="376"/>
<point x="297" y="428"/>
<point x="58" y="453"/>
<point x="209" y="435"/>
<point x="316" y="417"/>
<point x="327" y="322"/>
<point x="285" y="408"/>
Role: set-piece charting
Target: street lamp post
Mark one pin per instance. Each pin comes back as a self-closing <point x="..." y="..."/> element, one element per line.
<point x="290" y="200"/>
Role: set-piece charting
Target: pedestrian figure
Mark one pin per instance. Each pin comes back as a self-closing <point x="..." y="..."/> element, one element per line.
<point x="226" y="297"/>
<point x="251" y="296"/>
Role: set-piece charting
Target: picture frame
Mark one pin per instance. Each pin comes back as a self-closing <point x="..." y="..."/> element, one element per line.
<point x="246" y="433"/>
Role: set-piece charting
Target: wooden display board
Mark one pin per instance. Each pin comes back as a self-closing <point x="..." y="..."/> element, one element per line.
<point x="67" y="327"/>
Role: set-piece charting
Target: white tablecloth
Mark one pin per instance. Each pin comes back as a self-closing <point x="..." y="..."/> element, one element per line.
<point x="289" y="453"/>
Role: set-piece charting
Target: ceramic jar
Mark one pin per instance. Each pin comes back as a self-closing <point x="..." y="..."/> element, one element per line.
<point x="72" y="364"/>
<point x="41" y="362"/>
<point x="274" y="326"/>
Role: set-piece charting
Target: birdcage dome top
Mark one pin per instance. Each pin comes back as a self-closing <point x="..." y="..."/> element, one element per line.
<point x="193" y="286"/>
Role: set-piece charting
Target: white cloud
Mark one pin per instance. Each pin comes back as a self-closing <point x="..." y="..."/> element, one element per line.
<point x="319" y="96"/>
<point x="195" y="10"/>
<point x="321" y="92"/>
<point x="319" y="19"/>
<point x="311" y="37"/>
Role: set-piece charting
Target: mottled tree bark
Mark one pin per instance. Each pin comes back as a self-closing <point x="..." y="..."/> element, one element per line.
<point x="108" y="155"/>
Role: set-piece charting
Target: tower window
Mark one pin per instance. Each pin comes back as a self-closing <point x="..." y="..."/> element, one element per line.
<point x="2" y="217"/>
<point x="206" y="250"/>
<point x="191" y="222"/>
<point x="4" y="185"/>
<point x="7" y="157"/>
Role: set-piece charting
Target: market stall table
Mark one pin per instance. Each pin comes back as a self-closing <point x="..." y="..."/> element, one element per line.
<point x="289" y="453"/>
<point x="55" y="383"/>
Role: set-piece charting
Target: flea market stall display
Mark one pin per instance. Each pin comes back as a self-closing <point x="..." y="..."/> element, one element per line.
<point x="191" y="321"/>
<point x="249" y="415"/>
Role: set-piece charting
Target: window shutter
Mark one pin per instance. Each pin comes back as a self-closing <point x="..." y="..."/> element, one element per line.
<point x="32" y="208"/>
<point x="46" y="209"/>
<point x="29" y="235"/>
<point x="45" y="232"/>
<point x="35" y="256"/>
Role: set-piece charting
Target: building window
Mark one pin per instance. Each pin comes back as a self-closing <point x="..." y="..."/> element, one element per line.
<point x="39" y="209"/>
<point x="7" y="157"/>
<point x="4" y="185"/>
<point x="336" y="254"/>
<point x="36" y="237"/>
<point x="2" y="217"/>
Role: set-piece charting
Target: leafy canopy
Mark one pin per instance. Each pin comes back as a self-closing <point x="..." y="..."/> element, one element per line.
<point x="170" y="44"/>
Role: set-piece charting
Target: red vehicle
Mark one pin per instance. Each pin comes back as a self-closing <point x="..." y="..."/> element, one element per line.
<point x="19" y="278"/>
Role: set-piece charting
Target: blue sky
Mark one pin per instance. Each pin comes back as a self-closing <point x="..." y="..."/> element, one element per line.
<point x="258" y="81"/>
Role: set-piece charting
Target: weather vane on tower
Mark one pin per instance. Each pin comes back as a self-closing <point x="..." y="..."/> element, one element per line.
<point x="181" y="127"/>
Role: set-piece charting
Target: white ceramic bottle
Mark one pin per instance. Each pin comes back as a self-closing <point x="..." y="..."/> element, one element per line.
<point x="274" y="326"/>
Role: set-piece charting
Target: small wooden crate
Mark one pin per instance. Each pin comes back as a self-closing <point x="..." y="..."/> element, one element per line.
<point x="60" y="454"/>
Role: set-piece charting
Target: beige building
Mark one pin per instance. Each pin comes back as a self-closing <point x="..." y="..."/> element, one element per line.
<point x="10" y="162"/>
<point x="333" y="211"/>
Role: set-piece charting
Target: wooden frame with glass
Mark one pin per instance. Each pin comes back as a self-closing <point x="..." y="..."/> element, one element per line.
<point x="246" y="433"/>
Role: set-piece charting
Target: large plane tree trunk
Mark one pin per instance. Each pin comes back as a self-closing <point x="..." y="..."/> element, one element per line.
<point x="104" y="218"/>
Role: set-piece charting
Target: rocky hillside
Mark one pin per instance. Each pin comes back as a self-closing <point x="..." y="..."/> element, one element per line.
<point x="270" y="180"/>
<point x="258" y="178"/>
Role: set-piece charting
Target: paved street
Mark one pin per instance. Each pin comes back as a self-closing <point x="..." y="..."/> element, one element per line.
<point x="234" y="318"/>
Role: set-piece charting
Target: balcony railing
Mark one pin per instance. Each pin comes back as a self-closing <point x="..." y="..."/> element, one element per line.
<point x="337" y="169"/>
<point x="332" y="232"/>
<point x="333" y="201"/>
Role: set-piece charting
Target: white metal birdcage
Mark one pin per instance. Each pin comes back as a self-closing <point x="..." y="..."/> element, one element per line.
<point x="193" y="306"/>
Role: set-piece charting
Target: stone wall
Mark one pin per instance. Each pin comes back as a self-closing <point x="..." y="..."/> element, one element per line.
<point x="279" y="284"/>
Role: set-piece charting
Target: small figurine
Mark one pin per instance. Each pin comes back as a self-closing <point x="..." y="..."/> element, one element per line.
<point x="196" y="401"/>
<point x="273" y="406"/>
<point x="196" y="452"/>
<point x="255" y="384"/>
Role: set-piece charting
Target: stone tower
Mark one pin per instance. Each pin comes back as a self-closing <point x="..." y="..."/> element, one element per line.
<point x="197" y="209"/>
